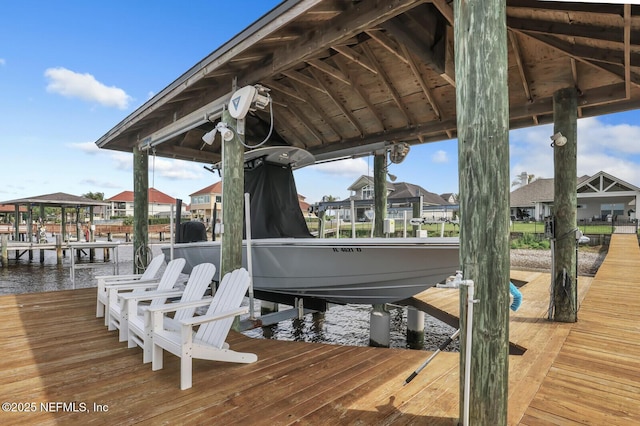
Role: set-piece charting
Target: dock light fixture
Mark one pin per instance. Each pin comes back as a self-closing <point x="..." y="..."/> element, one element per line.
<point x="558" y="140"/>
<point x="225" y="133"/>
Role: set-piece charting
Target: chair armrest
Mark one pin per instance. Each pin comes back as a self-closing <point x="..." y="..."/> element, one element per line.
<point x="132" y="285"/>
<point x="215" y="317"/>
<point x="150" y="295"/>
<point x="170" y="307"/>
<point x="118" y="277"/>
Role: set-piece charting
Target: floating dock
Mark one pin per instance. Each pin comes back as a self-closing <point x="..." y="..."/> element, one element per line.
<point x="62" y="361"/>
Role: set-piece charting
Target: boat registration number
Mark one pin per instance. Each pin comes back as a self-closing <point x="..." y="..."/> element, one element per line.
<point x="347" y="249"/>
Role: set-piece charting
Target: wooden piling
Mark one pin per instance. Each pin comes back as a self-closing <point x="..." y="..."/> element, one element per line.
<point x="483" y="162"/>
<point x="565" y="113"/>
<point x="4" y="255"/>
<point x="140" y="210"/>
<point x="380" y="192"/>
<point x="59" y="251"/>
<point x="233" y="196"/>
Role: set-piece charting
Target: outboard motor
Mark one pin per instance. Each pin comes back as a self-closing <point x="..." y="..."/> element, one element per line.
<point x="192" y="231"/>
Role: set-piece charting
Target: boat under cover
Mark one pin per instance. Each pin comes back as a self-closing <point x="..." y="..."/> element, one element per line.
<point x="339" y="270"/>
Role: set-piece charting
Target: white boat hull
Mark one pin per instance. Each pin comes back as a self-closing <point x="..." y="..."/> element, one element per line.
<point x="346" y="270"/>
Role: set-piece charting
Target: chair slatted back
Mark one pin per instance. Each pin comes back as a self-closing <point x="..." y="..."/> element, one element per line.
<point x="199" y="280"/>
<point x="169" y="278"/>
<point x="229" y="296"/>
<point x="153" y="267"/>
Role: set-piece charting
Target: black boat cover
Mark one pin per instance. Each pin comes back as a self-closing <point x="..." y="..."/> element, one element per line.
<point x="275" y="212"/>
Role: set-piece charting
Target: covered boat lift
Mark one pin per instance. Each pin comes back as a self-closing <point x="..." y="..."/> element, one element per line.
<point x="358" y="77"/>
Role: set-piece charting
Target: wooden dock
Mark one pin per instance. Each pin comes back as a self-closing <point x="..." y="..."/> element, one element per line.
<point x="56" y="356"/>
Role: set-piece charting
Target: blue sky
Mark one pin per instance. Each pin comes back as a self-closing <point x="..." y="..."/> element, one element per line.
<point x="71" y="70"/>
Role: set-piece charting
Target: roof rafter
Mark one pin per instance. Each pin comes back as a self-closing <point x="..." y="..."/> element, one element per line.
<point x="574" y="51"/>
<point x="340" y="62"/>
<point x="310" y="100"/>
<point x="301" y="78"/>
<point x="329" y="70"/>
<point x="421" y="82"/>
<point x="358" y="17"/>
<point x="349" y="116"/>
<point x="355" y="57"/>
<point x="384" y="79"/>
<point x="387" y="43"/>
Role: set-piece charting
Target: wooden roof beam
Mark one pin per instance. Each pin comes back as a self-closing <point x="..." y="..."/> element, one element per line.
<point x="574" y="74"/>
<point x="445" y="9"/>
<point x="301" y="78"/>
<point x="419" y="40"/>
<point x="518" y="57"/>
<point x="340" y="62"/>
<point x="329" y="70"/>
<point x="310" y="100"/>
<point x="307" y="124"/>
<point x="402" y="134"/>
<point x="570" y="49"/>
<point x="570" y="29"/>
<point x="422" y="83"/>
<point x="279" y="87"/>
<point x="348" y="115"/>
<point x="355" y="57"/>
<point x="612" y="9"/>
<point x="627" y="49"/>
<point x="386" y="42"/>
<point x="357" y="17"/>
<point x="384" y="79"/>
<point x="295" y="138"/>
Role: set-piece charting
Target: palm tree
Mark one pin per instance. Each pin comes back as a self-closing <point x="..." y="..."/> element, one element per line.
<point x="523" y="179"/>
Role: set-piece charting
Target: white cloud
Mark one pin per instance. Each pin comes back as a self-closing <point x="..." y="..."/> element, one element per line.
<point x="601" y="147"/>
<point x="3" y="61"/>
<point x="84" y="86"/>
<point x="100" y="183"/>
<point x="87" y="147"/>
<point x="351" y="168"/>
<point x="175" y="169"/>
<point x="440" y="156"/>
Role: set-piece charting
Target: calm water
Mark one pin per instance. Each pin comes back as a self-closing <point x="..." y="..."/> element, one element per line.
<point x="346" y="325"/>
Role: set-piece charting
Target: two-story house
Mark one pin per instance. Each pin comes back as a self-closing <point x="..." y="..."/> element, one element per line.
<point x="433" y="205"/>
<point x="121" y="205"/>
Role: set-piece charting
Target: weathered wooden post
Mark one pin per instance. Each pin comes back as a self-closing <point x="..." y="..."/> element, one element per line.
<point x="417" y="213"/>
<point x="16" y="223"/>
<point x="41" y="222"/>
<point x="232" y="196"/>
<point x="4" y="254"/>
<point x="321" y="224"/>
<point x="483" y="161"/>
<point x="380" y="192"/>
<point x="379" y="318"/>
<point x="63" y="224"/>
<point x="565" y="117"/>
<point x="140" y="210"/>
<point x="92" y="252"/>
<point x="59" y="251"/>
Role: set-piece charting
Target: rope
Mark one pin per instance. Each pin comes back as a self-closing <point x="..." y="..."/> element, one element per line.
<point x="140" y="263"/>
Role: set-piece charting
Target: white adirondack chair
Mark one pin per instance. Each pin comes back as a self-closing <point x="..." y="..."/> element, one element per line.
<point x="139" y="324"/>
<point x="150" y="274"/>
<point x="209" y="341"/>
<point x="115" y="304"/>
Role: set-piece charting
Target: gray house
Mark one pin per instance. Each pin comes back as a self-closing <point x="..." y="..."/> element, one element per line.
<point x="398" y="194"/>
<point x="599" y="197"/>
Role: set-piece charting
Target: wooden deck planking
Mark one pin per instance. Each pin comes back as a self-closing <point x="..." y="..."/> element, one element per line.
<point x="54" y="349"/>
<point x="595" y="379"/>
